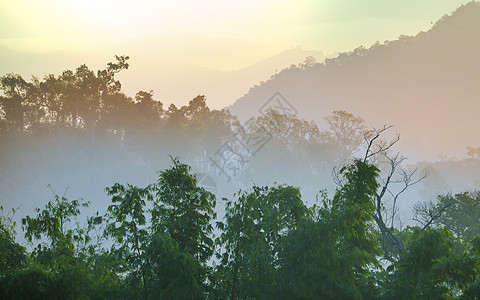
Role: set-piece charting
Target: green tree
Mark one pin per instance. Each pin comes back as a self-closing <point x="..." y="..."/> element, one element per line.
<point x="127" y="226"/>
<point x="31" y="282"/>
<point x="165" y="254"/>
<point x="459" y="212"/>
<point x="431" y="267"/>
<point x="333" y="256"/>
<point x="175" y="274"/>
<point x="12" y="255"/>
<point x="182" y="217"/>
<point x="253" y="227"/>
<point x="53" y="221"/>
<point x="184" y="211"/>
<point x="58" y="268"/>
<point x="472" y="289"/>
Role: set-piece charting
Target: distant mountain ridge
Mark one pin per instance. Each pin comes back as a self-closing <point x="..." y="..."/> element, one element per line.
<point x="184" y="84"/>
<point x="217" y="85"/>
<point x="426" y="85"/>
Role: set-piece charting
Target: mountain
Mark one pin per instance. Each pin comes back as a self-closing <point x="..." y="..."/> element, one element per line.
<point x="426" y="85"/>
<point x="186" y="81"/>
<point x="172" y="81"/>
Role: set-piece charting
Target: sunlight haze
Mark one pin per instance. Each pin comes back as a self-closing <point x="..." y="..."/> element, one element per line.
<point x="309" y="149"/>
<point x="171" y="43"/>
<point x="265" y="27"/>
<point x="178" y="41"/>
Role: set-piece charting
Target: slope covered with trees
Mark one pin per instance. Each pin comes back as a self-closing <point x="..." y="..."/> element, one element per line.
<point x="424" y="84"/>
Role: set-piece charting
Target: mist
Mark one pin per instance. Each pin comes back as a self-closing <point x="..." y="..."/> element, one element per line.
<point x="391" y="128"/>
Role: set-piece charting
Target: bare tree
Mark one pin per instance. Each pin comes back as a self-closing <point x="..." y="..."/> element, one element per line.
<point x="375" y="145"/>
<point x="394" y="181"/>
<point x="407" y="180"/>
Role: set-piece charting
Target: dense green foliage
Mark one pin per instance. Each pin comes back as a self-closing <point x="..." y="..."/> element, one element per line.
<point x="164" y="241"/>
<point x="270" y="245"/>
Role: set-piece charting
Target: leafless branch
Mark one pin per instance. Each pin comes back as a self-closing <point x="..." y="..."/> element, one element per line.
<point x="393" y="162"/>
<point x="376" y="146"/>
<point x="337" y="178"/>
<point x="408" y="181"/>
<point x="377" y="150"/>
<point x="427" y="213"/>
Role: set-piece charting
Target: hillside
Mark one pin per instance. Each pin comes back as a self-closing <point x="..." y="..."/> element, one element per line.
<point x="218" y="85"/>
<point x="184" y="81"/>
<point x="426" y="85"/>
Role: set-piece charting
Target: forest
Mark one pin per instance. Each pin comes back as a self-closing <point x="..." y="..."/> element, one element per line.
<point x="319" y="234"/>
<point x="395" y="82"/>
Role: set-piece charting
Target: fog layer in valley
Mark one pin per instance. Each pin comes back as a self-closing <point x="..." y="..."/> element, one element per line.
<point x="354" y="177"/>
<point x="79" y="133"/>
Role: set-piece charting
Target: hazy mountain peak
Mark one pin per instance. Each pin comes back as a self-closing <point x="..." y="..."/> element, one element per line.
<point x="425" y="85"/>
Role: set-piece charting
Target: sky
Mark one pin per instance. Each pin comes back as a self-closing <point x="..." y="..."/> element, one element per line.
<point x="178" y="37"/>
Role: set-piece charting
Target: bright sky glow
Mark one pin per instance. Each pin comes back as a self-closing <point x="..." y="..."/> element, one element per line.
<point x="327" y="25"/>
<point x="170" y="41"/>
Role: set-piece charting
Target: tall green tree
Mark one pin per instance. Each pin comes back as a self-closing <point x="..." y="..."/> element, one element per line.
<point x="58" y="269"/>
<point x="251" y="232"/>
<point x="127" y="226"/>
<point x="334" y="255"/>
<point x="165" y="245"/>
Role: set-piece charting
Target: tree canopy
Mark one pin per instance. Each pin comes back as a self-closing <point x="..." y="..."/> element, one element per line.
<point x="164" y="240"/>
